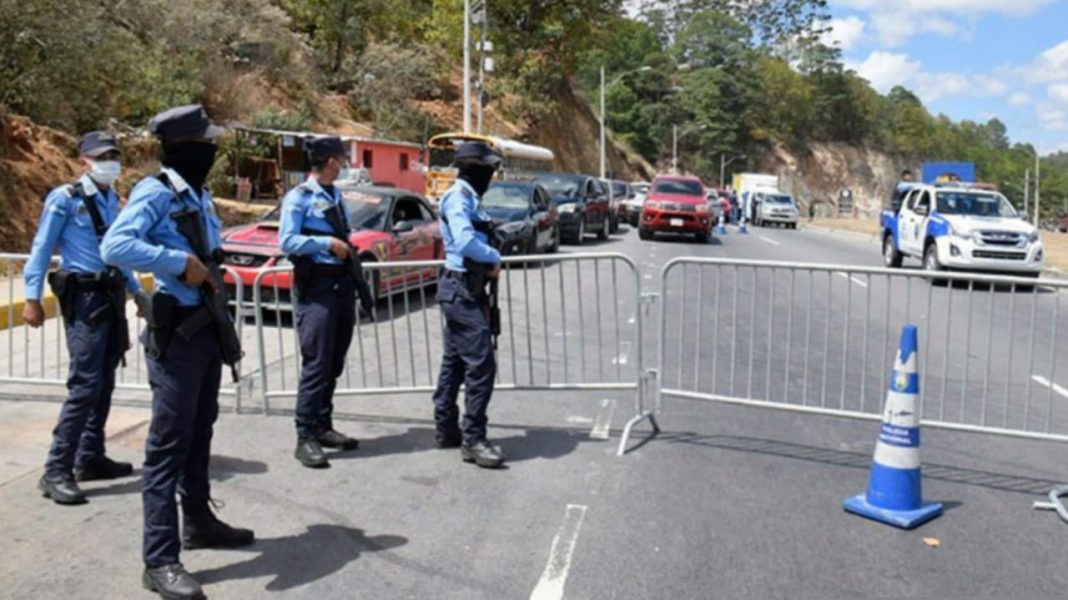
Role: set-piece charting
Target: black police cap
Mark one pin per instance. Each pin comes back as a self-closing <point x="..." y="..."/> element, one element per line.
<point x="96" y="143"/>
<point x="324" y="147"/>
<point x="181" y="123"/>
<point x="476" y="153"/>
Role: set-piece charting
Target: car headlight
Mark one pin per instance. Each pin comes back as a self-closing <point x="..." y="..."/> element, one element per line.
<point x="568" y="208"/>
<point x="652" y="205"/>
<point x="966" y="235"/>
<point x="283" y="261"/>
<point x="511" y="227"/>
<point x="1034" y="237"/>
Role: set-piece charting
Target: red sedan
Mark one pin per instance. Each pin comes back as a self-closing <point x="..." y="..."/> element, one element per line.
<point x="676" y="205"/>
<point x="388" y="225"/>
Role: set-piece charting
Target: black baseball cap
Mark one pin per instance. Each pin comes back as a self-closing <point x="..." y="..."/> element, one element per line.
<point x="324" y="147"/>
<point x="96" y="143"/>
<point x="181" y="123"/>
<point x="476" y="153"/>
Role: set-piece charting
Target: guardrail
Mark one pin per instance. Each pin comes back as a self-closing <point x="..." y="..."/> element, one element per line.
<point x="820" y="339"/>
<point x="553" y="338"/>
<point x="40" y="358"/>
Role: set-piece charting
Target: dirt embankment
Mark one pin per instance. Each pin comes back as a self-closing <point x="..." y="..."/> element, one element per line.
<point x="823" y="170"/>
<point x="33" y="160"/>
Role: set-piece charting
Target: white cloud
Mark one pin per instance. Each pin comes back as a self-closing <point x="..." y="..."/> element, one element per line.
<point x="1052" y="117"/>
<point x="1058" y="92"/>
<point x="895" y="21"/>
<point x="844" y="33"/>
<point x="1020" y="99"/>
<point x="886" y="69"/>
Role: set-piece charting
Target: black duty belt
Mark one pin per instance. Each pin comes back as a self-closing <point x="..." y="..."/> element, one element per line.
<point x="325" y="270"/>
<point x="458" y="276"/>
<point x="98" y="281"/>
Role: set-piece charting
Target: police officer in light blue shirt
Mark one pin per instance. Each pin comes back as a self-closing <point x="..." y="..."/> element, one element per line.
<point x="314" y="233"/>
<point x="468" y="348"/>
<point x="183" y="348"/>
<point x="93" y="303"/>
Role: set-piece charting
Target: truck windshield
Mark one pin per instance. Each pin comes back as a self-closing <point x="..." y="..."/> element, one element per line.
<point x="778" y="200"/>
<point x="679" y="187"/>
<point x="974" y="204"/>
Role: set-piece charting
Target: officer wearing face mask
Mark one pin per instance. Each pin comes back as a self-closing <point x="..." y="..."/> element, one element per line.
<point x="468" y="348"/>
<point x="183" y="344"/>
<point x="92" y="300"/>
<point x="314" y="235"/>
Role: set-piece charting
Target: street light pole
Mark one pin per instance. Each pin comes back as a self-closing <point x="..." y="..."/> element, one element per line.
<point x="602" y="125"/>
<point x="674" y="149"/>
<point x="484" y="14"/>
<point x="467" y="65"/>
<point x="723" y="164"/>
<point x="1038" y="183"/>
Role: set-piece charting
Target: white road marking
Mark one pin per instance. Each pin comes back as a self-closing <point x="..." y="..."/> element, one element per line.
<point x="604" y="420"/>
<point x="770" y="241"/>
<point x="859" y="282"/>
<point x="624" y="347"/>
<point x="648" y="276"/>
<point x="579" y="420"/>
<point x="551" y="584"/>
<point x="631" y="321"/>
<point x="1040" y="380"/>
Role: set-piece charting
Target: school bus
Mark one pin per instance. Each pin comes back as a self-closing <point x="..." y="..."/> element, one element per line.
<point x="519" y="160"/>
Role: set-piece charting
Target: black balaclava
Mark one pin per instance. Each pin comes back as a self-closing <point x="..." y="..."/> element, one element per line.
<point x="479" y="176"/>
<point x="191" y="159"/>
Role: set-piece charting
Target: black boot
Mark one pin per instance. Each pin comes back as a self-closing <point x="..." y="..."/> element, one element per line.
<point x="202" y="529"/>
<point x="61" y="489"/>
<point x="102" y="467"/>
<point x="333" y="439"/>
<point x="448" y="440"/>
<point x="172" y="582"/>
<point x="483" y="454"/>
<point x="310" y="454"/>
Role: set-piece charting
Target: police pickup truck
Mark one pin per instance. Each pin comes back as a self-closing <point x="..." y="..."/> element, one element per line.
<point x="959" y="227"/>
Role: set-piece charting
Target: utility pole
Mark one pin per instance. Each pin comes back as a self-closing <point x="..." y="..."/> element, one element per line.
<point x="1027" y="193"/>
<point x="467" y="65"/>
<point x="674" y="149"/>
<point x="1038" y="183"/>
<point x="483" y="13"/>
<point x="602" y="125"/>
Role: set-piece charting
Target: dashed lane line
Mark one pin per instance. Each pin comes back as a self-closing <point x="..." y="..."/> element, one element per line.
<point x="855" y="280"/>
<point x="1042" y="381"/>
<point x="551" y="584"/>
<point x="603" y="423"/>
<point x="770" y="241"/>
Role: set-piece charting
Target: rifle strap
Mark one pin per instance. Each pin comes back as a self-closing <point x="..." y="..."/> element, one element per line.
<point x="77" y="191"/>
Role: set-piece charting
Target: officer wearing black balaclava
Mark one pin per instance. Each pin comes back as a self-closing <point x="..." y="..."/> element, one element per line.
<point x="468" y="354"/>
<point x="183" y="349"/>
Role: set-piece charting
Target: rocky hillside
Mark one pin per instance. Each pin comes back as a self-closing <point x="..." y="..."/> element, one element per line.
<point x="822" y="170"/>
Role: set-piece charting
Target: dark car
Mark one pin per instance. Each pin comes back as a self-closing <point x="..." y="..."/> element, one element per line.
<point x="525" y="217"/>
<point x="582" y="203"/>
<point x="621" y="192"/>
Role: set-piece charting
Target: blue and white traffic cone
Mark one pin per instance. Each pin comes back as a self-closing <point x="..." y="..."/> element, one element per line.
<point x="721" y="228"/>
<point x="894" y="493"/>
<point x="741" y="226"/>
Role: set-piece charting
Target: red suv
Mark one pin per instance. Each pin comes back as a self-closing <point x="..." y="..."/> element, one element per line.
<point x="676" y="205"/>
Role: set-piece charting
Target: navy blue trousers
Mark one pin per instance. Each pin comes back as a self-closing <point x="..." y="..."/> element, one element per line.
<point x="468" y="360"/>
<point x="94" y="356"/>
<point x="185" y="404"/>
<point x="326" y="316"/>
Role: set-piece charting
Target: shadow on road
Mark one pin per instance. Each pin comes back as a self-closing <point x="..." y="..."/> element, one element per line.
<point x="531" y="444"/>
<point x="676" y="238"/>
<point x="973" y="477"/>
<point x="298" y="560"/>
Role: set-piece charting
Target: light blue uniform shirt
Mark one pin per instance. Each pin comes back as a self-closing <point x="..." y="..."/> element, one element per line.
<point x="460" y="206"/>
<point x="304" y="208"/>
<point x="65" y="222"/>
<point x="145" y="238"/>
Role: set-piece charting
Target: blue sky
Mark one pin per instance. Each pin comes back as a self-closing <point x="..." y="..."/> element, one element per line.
<point x="969" y="59"/>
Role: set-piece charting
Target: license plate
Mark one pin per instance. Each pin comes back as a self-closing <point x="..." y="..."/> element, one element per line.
<point x="676" y="222"/>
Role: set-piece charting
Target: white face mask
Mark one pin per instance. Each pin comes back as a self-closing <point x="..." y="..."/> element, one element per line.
<point x="105" y="172"/>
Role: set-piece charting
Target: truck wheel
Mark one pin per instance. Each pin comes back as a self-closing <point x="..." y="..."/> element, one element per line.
<point x="644" y="234"/>
<point x="931" y="263"/>
<point x="605" y="228"/>
<point x="891" y="257"/>
<point x="702" y="238"/>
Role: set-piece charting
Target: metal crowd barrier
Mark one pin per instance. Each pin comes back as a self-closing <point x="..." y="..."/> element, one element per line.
<point x="821" y="339"/>
<point x="39" y="358"/>
<point x="553" y="338"/>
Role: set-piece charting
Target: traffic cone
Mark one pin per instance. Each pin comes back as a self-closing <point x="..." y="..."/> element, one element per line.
<point x="721" y="229"/>
<point x="894" y="493"/>
<point x="741" y="226"/>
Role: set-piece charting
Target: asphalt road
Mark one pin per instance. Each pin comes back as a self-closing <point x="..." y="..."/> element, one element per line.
<point x="727" y="502"/>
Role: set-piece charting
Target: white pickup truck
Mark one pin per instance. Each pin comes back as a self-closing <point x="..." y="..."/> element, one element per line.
<point x="959" y="228"/>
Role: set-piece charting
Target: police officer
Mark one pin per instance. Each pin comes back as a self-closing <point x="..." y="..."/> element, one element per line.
<point x="92" y="299"/>
<point x="468" y="353"/>
<point x="185" y="360"/>
<point x="314" y="234"/>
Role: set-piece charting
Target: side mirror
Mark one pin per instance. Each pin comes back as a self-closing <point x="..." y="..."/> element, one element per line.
<point x="403" y="227"/>
<point x="921" y="210"/>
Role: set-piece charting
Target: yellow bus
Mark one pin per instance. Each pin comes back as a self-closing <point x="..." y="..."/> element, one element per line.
<point x="520" y="161"/>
